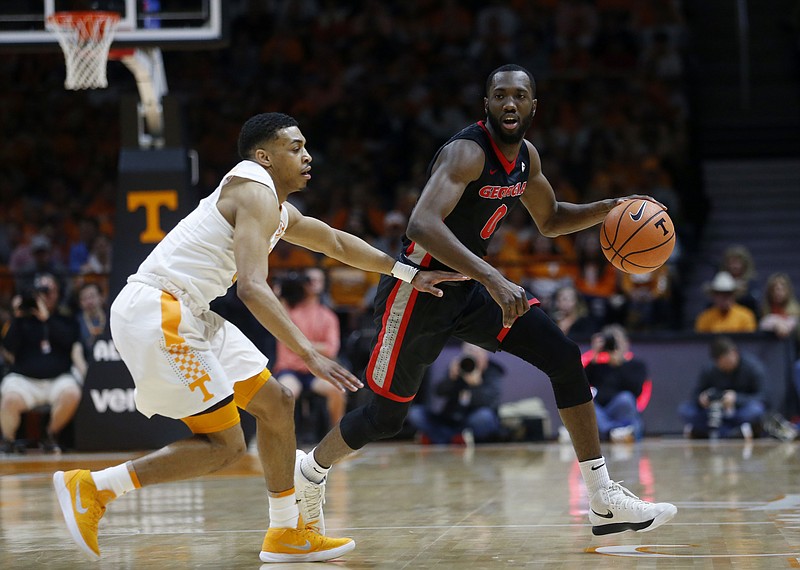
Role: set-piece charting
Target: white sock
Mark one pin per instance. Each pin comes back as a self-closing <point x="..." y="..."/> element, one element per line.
<point x="116" y="479"/>
<point x="283" y="511"/>
<point x="595" y="474"/>
<point x="312" y="470"/>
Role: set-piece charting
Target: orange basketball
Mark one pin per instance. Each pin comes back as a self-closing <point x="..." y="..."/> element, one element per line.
<point x="637" y="236"/>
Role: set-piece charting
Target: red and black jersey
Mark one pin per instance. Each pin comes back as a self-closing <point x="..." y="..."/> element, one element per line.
<point x="486" y="202"/>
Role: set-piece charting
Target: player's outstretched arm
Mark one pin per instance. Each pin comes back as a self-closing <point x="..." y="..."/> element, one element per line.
<point x="554" y="218"/>
<point x="255" y="220"/>
<point x="318" y="236"/>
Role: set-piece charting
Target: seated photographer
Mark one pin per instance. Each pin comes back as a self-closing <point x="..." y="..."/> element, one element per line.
<point x="729" y="397"/>
<point x="471" y="393"/>
<point x="47" y="364"/>
<point x="617" y="379"/>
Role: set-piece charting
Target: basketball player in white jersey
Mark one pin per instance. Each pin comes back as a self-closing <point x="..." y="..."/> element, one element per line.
<point x="190" y="364"/>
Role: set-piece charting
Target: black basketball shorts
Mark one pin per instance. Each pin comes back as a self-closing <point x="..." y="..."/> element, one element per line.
<point x="413" y="328"/>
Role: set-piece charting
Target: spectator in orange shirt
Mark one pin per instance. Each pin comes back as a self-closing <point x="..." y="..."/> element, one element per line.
<point x="725" y="315"/>
<point x="597" y="279"/>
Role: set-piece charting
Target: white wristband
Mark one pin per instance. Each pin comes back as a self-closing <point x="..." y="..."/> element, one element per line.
<point x="404" y="272"/>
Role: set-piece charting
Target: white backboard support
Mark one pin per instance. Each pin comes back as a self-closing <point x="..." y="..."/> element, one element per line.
<point x="163" y="23"/>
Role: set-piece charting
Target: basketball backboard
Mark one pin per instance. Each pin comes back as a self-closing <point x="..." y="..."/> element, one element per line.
<point x="163" y="23"/>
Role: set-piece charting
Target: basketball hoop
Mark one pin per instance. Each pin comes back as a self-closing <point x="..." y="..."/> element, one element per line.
<point x="85" y="38"/>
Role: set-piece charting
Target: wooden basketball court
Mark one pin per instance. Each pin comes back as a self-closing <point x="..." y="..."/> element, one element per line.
<point x="410" y="506"/>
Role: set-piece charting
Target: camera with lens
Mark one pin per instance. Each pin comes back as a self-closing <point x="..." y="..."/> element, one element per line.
<point x="609" y="342"/>
<point x="29" y="299"/>
<point x="714" y="408"/>
<point x="467" y="364"/>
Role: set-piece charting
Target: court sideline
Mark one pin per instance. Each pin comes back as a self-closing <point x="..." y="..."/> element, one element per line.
<point x="411" y="506"/>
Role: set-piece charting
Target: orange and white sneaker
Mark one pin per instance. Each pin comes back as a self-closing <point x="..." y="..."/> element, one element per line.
<point x="83" y="506"/>
<point x="302" y="545"/>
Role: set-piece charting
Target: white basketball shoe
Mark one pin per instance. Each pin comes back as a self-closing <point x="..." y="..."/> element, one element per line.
<point x="310" y="497"/>
<point x="615" y="509"/>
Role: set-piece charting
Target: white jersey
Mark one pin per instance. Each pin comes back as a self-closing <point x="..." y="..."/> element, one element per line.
<point x="195" y="261"/>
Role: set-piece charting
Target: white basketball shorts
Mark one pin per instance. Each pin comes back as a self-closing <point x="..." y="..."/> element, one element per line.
<point x="181" y="363"/>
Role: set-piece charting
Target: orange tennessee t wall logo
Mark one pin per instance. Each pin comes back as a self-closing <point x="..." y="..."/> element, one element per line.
<point x="151" y="201"/>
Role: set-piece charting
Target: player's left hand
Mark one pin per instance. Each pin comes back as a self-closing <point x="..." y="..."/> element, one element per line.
<point x="425" y="281"/>
<point x="331" y="371"/>
<point x="639" y="197"/>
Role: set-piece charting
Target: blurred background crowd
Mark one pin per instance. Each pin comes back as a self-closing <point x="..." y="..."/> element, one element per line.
<point x="377" y="87"/>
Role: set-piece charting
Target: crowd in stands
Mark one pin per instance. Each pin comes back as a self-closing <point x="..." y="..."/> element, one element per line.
<point x="377" y="87"/>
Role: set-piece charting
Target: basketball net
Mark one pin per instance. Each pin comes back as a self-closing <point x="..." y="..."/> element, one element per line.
<point x="85" y="38"/>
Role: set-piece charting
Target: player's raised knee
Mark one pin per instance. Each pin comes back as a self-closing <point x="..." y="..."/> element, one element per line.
<point x="386" y="427"/>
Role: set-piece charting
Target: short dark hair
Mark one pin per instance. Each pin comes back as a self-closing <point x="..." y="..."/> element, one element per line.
<point x="293" y="288"/>
<point x="261" y="128"/>
<point x="90" y="285"/>
<point x="510" y="67"/>
<point x="721" y="346"/>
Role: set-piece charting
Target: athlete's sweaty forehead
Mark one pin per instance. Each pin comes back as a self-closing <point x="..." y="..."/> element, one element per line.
<point x="290" y="136"/>
<point x="510" y="81"/>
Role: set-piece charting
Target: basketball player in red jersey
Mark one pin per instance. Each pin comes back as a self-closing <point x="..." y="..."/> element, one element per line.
<point x="475" y="180"/>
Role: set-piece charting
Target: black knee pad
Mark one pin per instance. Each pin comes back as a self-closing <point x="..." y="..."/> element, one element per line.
<point x="570" y="385"/>
<point x="536" y="339"/>
<point x="379" y="418"/>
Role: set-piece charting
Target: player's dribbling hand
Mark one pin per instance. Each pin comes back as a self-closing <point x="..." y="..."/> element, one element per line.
<point x="333" y="372"/>
<point x="639" y="197"/>
<point x="511" y="298"/>
<point x="425" y="281"/>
